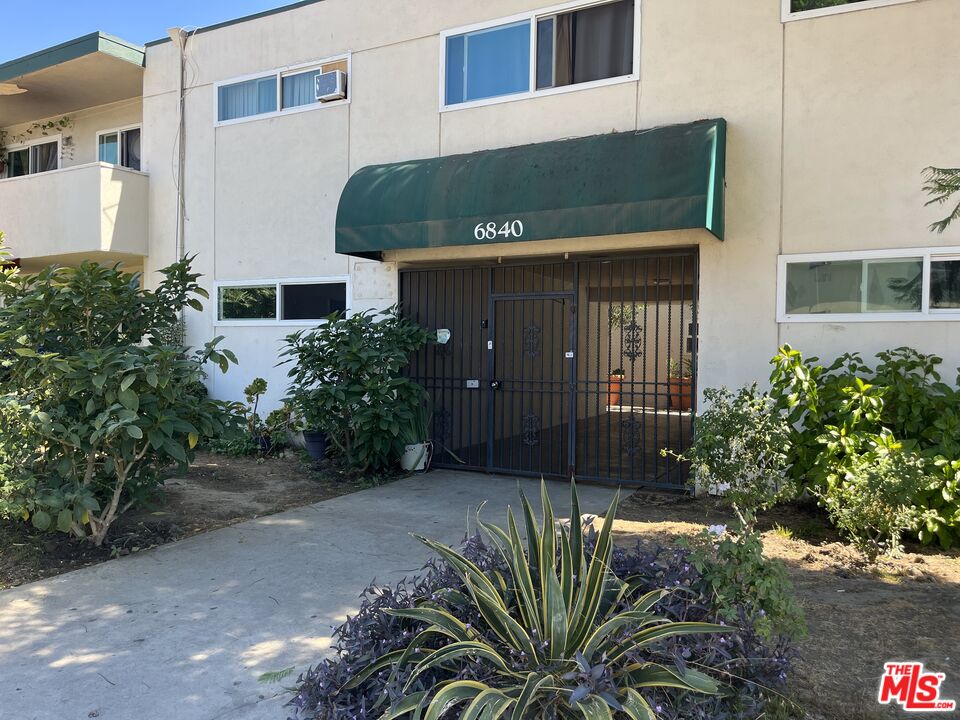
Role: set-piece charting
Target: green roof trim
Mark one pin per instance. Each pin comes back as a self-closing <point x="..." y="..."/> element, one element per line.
<point x="667" y="178"/>
<point x="237" y="21"/>
<point x="71" y="50"/>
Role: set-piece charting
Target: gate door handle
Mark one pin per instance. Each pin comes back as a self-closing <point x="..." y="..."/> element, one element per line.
<point x="494" y="384"/>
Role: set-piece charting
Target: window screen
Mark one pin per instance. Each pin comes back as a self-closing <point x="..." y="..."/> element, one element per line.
<point x="248" y="303"/>
<point x="945" y="284"/>
<point x="854" y="286"/>
<point x="18" y="162"/>
<point x="313" y="301"/>
<point x="594" y="43"/>
<point x="488" y="63"/>
<point x="109" y="149"/>
<point x="252" y="97"/>
<point x="131" y="148"/>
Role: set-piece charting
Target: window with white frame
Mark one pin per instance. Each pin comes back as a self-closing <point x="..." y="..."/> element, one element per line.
<point x="280" y="90"/>
<point x="554" y="48"/>
<point x="39" y="156"/>
<point x="281" y="301"/>
<point x="120" y="147"/>
<point x="910" y="284"/>
<point x="801" y="9"/>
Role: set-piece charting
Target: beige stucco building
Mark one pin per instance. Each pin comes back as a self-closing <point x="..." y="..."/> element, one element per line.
<point x="822" y="122"/>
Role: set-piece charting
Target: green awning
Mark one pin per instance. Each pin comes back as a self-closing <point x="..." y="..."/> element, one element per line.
<point x="668" y="178"/>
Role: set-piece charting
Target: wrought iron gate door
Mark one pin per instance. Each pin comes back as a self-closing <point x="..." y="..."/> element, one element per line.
<point x="583" y="368"/>
<point x="531" y="389"/>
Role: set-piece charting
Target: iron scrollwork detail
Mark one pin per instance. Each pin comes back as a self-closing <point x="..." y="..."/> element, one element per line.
<point x="532" y="340"/>
<point x="531" y="429"/>
<point x="633" y="341"/>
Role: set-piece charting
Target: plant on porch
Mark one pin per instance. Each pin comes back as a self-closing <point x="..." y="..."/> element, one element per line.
<point x="95" y="406"/>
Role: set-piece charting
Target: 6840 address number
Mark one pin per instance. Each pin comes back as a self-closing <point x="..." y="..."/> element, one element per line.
<point x="491" y="231"/>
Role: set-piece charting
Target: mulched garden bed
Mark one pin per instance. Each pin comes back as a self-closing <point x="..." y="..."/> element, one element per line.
<point x="217" y="491"/>
<point x="858" y="616"/>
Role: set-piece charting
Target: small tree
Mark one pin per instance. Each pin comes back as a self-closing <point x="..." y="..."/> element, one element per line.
<point x="347" y="382"/>
<point x="97" y="405"/>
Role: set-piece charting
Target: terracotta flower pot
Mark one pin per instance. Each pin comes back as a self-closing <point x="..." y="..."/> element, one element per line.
<point x="681" y="393"/>
<point x="614" y="389"/>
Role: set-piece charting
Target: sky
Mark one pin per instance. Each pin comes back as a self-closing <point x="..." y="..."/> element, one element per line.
<point x="138" y="21"/>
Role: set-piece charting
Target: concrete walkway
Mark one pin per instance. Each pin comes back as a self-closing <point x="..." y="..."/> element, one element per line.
<point x="182" y="632"/>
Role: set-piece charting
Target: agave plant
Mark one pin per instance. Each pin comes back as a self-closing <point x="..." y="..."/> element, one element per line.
<point x="560" y="635"/>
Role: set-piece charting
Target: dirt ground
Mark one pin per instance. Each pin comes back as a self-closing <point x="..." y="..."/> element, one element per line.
<point x="217" y="491"/>
<point x="858" y="616"/>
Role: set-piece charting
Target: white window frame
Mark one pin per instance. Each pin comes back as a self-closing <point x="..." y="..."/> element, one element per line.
<point x="532" y="16"/>
<point x="118" y="130"/>
<point x="926" y="313"/>
<point x="787" y="16"/>
<point x="279" y="74"/>
<point x="278" y="284"/>
<point x="42" y="140"/>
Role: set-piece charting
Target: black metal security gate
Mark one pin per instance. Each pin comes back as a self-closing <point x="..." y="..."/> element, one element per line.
<point x="581" y="368"/>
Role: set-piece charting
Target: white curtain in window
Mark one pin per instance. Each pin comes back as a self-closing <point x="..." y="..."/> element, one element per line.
<point x="45" y="157"/>
<point x="252" y="97"/>
<point x="300" y="89"/>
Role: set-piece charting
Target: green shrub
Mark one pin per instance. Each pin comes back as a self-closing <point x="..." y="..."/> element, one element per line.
<point x="846" y="415"/>
<point x="742" y="579"/>
<point x="564" y="637"/>
<point x="874" y="502"/>
<point x="739" y="450"/>
<point x="95" y="405"/>
<point x="347" y="382"/>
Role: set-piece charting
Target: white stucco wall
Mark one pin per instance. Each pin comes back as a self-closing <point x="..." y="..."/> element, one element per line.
<point x="829" y="122"/>
<point x="869" y="103"/>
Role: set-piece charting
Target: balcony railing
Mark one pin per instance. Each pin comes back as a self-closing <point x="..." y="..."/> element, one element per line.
<point x="91" y="210"/>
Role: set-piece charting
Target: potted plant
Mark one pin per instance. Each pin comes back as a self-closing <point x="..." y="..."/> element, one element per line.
<point x="680" y="383"/>
<point x="314" y="439"/>
<point x="417" y="447"/>
<point x="614" y="387"/>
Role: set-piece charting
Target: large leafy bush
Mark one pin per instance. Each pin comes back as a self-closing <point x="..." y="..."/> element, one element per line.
<point x="95" y="405"/>
<point x="562" y="625"/>
<point x="347" y="381"/>
<point x="845" y="417"/>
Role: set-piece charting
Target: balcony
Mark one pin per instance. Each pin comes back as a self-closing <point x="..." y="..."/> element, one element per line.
<point x="95" y="211"/>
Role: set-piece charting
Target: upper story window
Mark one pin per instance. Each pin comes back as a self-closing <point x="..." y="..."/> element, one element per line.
<point x="37" y="157"/>
<point x="120" y="147"/>
<point x="546" y="50"/>
<point x="243" y="99"/>
<point x="801" y="9"/>
<point x="912" y="284"/>
<point x="287" y="89"/>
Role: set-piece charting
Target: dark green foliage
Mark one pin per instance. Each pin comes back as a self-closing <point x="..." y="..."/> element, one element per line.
<point x="562" y="625"/>
<point x="846" y="416"/>
<point x="742" y="581"/>
<point x="941" y="184"/>
<point x="347" y="381"/>
<point x="96" y="406"/>
<point x="801" y="5"/>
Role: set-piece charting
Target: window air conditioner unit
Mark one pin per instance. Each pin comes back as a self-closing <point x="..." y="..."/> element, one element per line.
<point x="331" y="86"/>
